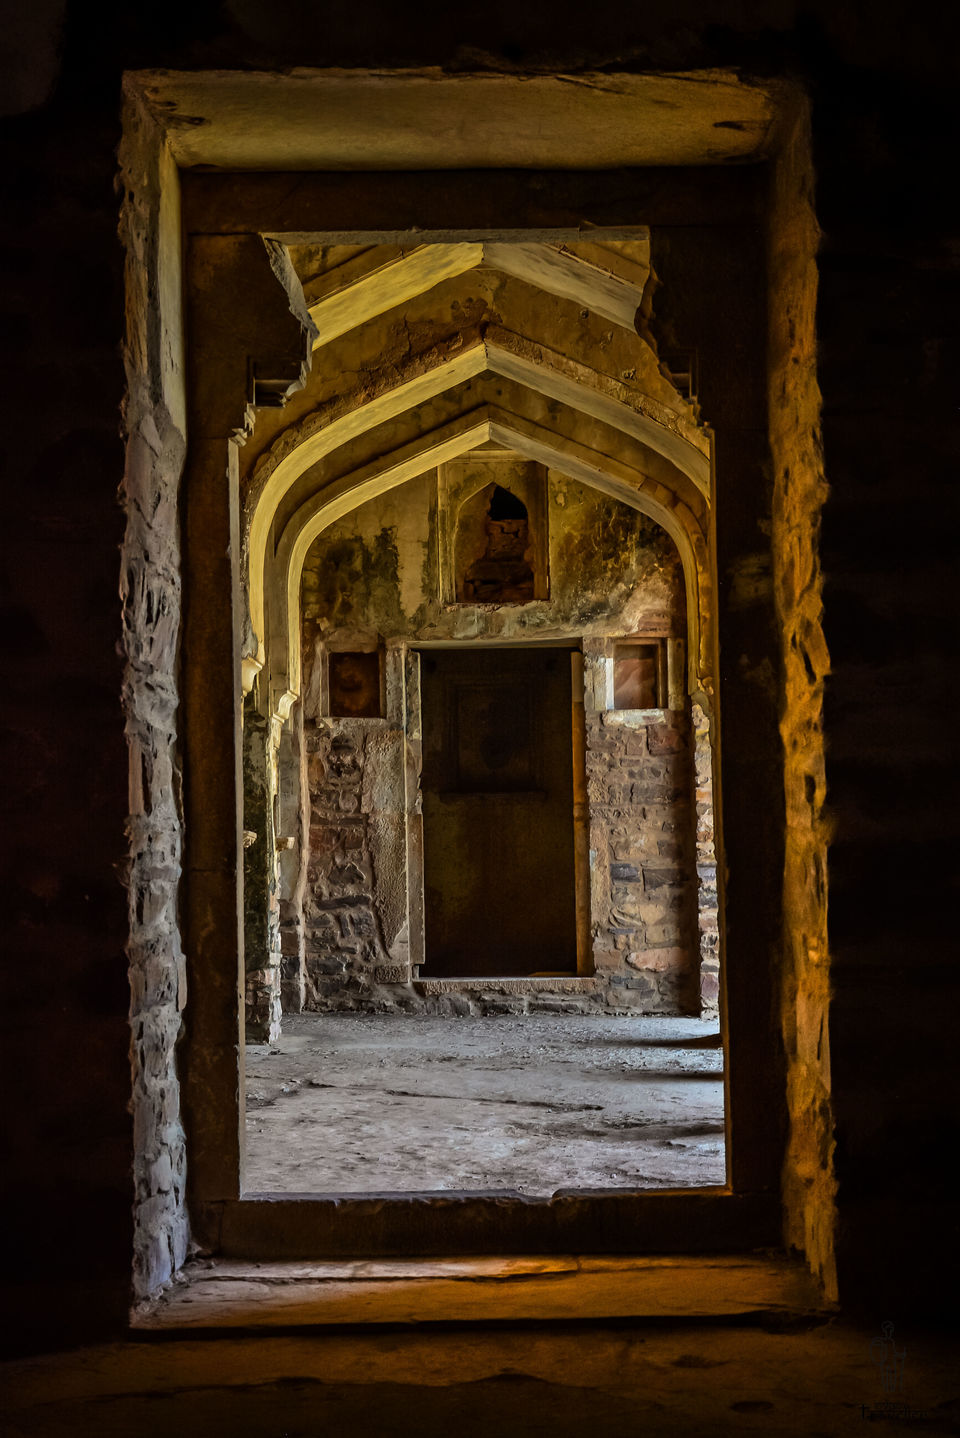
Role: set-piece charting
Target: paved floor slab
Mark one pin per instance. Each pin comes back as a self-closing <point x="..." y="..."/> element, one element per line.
<point x="399" y="1104"/>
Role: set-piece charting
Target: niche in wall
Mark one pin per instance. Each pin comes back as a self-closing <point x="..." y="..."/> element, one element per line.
<point x="355" y="685"/>
<point x="640" y="675"/>
<point x="493" y="529"/>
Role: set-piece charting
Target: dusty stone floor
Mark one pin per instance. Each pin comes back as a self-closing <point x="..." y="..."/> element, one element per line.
<point x="616" y="1380"/>
<point x="387" y="1103"/>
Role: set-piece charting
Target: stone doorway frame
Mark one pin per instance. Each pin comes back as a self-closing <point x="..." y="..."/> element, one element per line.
<point x="717" y="226"/>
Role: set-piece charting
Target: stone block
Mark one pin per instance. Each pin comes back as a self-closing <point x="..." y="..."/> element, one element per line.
<point x="493" y="1005"/>
<point x="661" y="935"/>
<point x="658" y="960"/>
<point x="323" y="839"/>
<point x="634" y="742"/>
<point x="391" y="974"/>
<point x="607" y="960"/>
<point x="665" y="739"/>
<point x="643" y="995"/>
<point x="659" y="878"/>
<point x="627" y="899"/>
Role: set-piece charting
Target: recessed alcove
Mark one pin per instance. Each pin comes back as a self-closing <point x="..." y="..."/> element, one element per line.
<point x="494" y="549"/>
<point x="492" y="529"/>
<point x="355" y="685"/>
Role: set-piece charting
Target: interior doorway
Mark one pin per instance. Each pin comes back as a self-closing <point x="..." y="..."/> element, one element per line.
<point x="577" y="412"/>
<point x="499" y="868"/>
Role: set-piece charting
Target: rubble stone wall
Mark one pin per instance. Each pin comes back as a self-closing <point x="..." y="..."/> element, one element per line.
<point x="643" y="877"/>
<point x="345" y="941"/>
<point x="799" y="494"/>
<point x="150" y="591"/>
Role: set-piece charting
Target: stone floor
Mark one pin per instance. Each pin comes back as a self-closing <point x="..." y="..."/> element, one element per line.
<point x="398" y="1103"/>
<point x="613" y="1381"/>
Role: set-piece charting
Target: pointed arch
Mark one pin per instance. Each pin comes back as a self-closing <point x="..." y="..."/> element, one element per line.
<point x="610" y="476"/>
<point x="687" y="453"/>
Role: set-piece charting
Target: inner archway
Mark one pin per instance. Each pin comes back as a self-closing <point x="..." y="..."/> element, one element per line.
<point x="463" y="751"/>
<point x="504" y="813"/>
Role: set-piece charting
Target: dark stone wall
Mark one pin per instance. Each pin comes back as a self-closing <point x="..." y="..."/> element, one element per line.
<point x="883" y="87"/>
<point x="68" y="1140"/>
<point x="888" y="357"/>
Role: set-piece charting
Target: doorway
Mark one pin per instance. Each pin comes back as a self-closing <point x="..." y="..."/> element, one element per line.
<point x="683" y="210"/>
<point x="498" y="832"/>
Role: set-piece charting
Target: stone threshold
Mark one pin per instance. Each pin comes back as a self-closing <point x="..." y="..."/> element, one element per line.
<point x="216" y="1293"/>
<point x="569" y="984"/>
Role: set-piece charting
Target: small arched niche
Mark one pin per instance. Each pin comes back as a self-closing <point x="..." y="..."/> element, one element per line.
<point x="493" y="518"/>
<point x="493" y="549"/>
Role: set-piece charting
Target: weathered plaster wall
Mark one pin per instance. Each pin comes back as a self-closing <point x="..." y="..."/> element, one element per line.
<point x="373" y="578"/>
<point x="375" y="573"/>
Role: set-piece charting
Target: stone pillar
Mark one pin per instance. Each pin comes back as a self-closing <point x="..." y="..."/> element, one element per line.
<point x="639" y="785"/>
<point x="261" y="903"/>
<point x="242" y="356"/>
